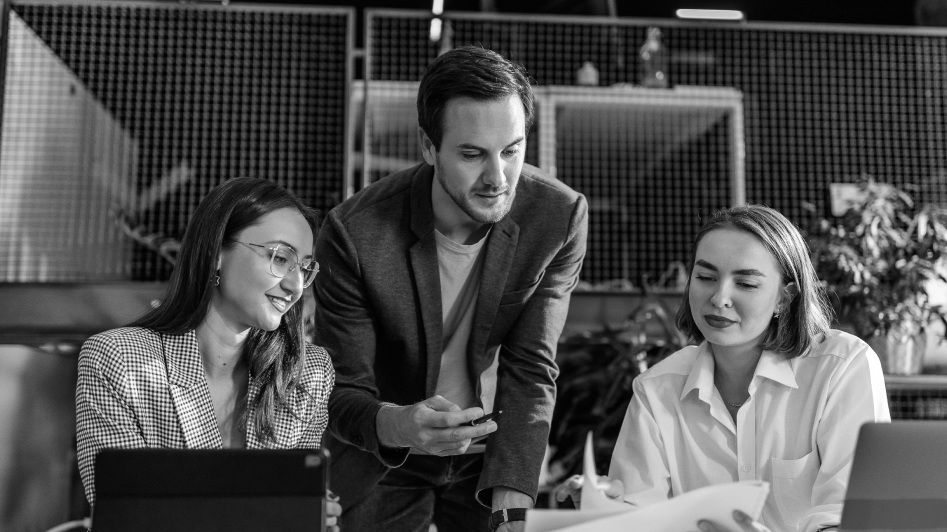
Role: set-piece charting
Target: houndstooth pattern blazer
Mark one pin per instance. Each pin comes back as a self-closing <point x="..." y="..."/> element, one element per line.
<point x="141" y="388"/>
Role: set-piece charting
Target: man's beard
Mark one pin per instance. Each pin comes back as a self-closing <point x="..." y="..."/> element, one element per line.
<point x="480" y="215"/>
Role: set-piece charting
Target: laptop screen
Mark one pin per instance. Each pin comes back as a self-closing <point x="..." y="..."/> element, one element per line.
<point x="899" y="478"/>
<point x="233" y="490"/>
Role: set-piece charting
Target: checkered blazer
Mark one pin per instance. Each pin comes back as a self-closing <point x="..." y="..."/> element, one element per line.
<point x="141" y="388"/>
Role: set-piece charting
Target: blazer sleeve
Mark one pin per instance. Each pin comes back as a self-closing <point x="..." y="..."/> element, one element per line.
<point x="526" y="387"/>
<point x="345" y="326"/>
<point x="105" y="416"/>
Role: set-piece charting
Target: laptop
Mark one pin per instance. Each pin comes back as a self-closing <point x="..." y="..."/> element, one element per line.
<point x="899" y="478"/>
<point x="209" y="490"/>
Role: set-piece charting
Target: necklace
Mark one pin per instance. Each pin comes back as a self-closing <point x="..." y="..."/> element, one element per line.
<point x="735" y="405"/>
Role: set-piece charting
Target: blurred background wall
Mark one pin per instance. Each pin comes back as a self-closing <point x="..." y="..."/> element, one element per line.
<point x="118" y="117"/>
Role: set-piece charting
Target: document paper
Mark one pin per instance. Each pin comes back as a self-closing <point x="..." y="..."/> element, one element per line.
<point x="601" y="514"/>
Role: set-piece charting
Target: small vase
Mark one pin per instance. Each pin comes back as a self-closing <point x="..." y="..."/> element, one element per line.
<point x="900" y="354"/>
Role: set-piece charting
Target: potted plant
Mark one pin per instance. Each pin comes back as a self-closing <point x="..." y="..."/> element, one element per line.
<point x="876" y="261"/>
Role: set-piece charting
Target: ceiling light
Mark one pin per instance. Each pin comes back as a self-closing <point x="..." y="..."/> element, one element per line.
<point x="710" y="14"/>
<point x="436" y="25"/>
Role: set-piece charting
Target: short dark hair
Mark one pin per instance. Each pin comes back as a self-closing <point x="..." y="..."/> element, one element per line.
<point x="276" y="358"/>
<point x="809" y="315"/>
<point x="469" y="72"/>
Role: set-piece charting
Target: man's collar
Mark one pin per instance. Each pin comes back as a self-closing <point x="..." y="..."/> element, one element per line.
<point x="422" y="210"/>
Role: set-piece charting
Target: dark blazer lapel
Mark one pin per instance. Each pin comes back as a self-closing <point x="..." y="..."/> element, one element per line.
<point x="189" y="391"/>
<point x="501" y="248"/>
<point x="424" y="265"/>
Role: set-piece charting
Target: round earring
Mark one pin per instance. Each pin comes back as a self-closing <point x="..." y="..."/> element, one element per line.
<point x="216" y="280"/>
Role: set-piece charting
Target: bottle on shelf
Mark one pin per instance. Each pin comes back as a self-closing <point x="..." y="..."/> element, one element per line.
<point x="653" y="58"/>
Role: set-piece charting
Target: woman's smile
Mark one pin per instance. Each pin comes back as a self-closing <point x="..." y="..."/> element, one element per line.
<point x="281" y="303"/>
<point x="718" y="321"/>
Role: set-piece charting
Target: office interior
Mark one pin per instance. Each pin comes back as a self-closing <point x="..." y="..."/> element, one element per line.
<point x="118" y="117"/>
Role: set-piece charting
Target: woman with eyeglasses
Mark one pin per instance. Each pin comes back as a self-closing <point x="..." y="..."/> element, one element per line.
<point x="222" y="362"/>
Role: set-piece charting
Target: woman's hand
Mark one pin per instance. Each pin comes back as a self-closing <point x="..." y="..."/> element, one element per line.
<point x="613" y="489"/>
<point x="743" y="522"/>
<point x="333" y="512"/>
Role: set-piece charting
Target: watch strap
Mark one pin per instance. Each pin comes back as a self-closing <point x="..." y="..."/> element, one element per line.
<point x="506" y="515"/>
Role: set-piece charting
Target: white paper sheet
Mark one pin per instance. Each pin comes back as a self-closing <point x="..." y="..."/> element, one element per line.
<point x="601" y="514"/>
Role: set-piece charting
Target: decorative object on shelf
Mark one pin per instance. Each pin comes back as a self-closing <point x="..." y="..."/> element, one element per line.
<point x="653" y="58"/>
<point x="901" y="353"/>
<point x="594" y="383"/>
<point x="876" y="261"/>
<point x="587" y="74"/>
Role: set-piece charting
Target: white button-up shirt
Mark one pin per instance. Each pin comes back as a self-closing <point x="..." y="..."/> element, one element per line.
<point x="797" y="430"/>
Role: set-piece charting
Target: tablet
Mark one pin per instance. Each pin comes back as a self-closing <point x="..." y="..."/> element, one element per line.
<point x="191" y="490"/>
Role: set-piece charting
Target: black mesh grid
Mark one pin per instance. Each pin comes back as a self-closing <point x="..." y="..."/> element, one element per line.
<point x="195" y="94"/>
<point x="821" y="104"/>
<point x="917" y="401"/>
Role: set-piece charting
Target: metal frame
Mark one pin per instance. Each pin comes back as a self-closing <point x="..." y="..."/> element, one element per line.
<point x="724" y="98"/>
<point x="4" y="47"/>
<point x="549" y="97"/>
<point x="271" y="8"/>
<point x="349" y="12"/>
<point x="665" y="22"/>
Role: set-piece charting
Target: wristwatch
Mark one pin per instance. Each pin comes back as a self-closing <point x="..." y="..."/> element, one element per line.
<point x="506" y="515"/>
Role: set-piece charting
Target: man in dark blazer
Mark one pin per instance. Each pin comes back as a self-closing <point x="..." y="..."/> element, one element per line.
<point x="442" y="294"/>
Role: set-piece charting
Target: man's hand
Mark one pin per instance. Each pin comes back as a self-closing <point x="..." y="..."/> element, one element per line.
<point x="434" y="426"/>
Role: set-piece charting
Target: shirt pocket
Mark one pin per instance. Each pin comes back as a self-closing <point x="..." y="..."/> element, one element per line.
<point x="792" y="486"/>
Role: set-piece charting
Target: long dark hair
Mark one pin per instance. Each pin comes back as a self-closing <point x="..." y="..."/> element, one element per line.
<point x="276" y="358"/>
<point x="471" y="72"/>
<point x="808" y="315"/>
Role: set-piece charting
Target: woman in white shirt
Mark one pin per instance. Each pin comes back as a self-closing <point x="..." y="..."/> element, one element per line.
<point x="769" y="393"/>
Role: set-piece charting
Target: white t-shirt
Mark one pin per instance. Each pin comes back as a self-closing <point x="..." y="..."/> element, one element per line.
<point x="461" y="267"/>
<point x="797" y="430"/>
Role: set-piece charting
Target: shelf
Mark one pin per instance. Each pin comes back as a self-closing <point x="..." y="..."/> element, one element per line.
<point x="916" y="382"/>
<point x="50" y="313"/>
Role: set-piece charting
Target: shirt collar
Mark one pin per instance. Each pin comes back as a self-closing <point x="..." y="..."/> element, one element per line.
<point x="701" y="377"/>
<point x="776" y="368"/>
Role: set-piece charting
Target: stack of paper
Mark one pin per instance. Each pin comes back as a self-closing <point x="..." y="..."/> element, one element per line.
<point x="601" y="514"/>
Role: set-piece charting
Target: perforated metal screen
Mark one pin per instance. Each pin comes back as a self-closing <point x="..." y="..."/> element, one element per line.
<point x="134" y="111"/>
<point x="918" y="403"/>
<point x="820" y="104"/>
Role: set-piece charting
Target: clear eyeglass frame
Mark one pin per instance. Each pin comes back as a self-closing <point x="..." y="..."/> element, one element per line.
<point x="284" y="260"/>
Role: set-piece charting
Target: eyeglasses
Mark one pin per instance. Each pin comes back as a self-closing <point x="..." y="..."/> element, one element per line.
<point x="283" y="261"/>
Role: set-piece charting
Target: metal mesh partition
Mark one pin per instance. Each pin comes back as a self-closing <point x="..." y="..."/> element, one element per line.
<point x="819" y="104"/>
<point x="128" y="113"/>
<point x="917" y="397"/>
